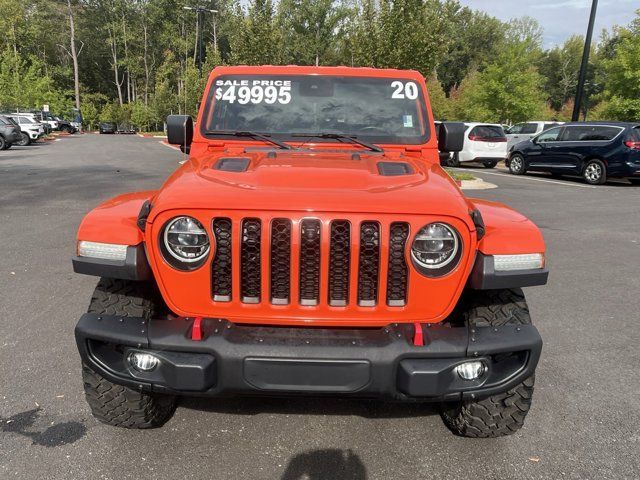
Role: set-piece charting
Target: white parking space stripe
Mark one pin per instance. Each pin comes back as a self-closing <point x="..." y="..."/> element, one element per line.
<point x="524" y="177"/>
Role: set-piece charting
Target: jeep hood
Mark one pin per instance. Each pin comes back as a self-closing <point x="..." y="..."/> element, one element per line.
<point x="313" y="180"/>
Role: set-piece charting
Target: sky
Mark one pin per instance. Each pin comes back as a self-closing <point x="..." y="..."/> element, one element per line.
<point x="560" y="18"/>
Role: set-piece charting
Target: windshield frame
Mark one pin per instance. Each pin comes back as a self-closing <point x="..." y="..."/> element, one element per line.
<point x="292" y="138"/>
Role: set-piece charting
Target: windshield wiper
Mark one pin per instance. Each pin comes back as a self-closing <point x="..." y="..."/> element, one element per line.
<point x="340" y="136"/>
<point x="259" y="136"/>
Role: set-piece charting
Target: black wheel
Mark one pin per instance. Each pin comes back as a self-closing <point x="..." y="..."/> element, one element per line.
<point x="115" y="404"/>
<point x="67" y="129"/>
<point x="504" y="413"/>
<point x="454" y="160"/>
<point x="634" y="181"/>
<point x="594" y="172"/>
<point x="24" y="141"/>
<point x="3" y="144"/>
<point x="490" y="164"/>
<point x="516" y="164"/>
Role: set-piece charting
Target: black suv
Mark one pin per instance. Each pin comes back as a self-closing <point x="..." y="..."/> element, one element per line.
<point x="593" y="150"/>
<point x="9" y="132"/>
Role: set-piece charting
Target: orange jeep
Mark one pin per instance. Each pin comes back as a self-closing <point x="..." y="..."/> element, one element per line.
<point x="311" y="245"/>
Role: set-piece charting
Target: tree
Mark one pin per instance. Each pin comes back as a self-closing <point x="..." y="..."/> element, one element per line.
<point x="559" y="67"/>
<point x="476" y="38"/>
<point x="312" y="30"/>
<point x="622" y="75"/>
<point x="257" y="41"/>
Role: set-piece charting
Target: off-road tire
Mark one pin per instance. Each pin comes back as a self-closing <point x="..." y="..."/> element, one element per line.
<point x="490" y="164"/>
<point x="115" y="404"/>
<point x="504" y="413"/>
<point x="454" y="160"/>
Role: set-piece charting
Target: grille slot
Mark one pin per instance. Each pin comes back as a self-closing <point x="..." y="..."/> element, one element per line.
<point x="221" y="268"/>
<point x="250" y="261"/>
<point x="398" y="271"/>
<point x="368" y="264"/>
<point x="309" y="262"/>
<point x="280" y="261"/>
<point x="339" y="262"/>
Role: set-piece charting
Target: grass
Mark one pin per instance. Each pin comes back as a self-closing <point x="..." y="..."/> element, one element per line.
<point x="459" y="175"/>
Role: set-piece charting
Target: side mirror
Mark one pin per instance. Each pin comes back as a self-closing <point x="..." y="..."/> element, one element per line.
<point x="180" y="131"/>
<point x="451" y="136"/>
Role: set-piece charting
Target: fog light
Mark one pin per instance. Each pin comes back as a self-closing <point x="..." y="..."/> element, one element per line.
<point x="143" y="362"/>
<point x="471" y="370"/>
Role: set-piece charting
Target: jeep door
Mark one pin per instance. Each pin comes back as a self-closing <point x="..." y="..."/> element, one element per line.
<point x="543" y="153"/>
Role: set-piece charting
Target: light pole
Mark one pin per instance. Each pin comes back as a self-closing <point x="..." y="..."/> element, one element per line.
<point x="199" y="32"/>
<point x="584" y="64"/>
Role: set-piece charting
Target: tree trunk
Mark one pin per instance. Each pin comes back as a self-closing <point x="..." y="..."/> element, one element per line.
<point x="126" y="58"/>
<point x="114" y="56"/>
<point x="74" y="55"/>
<point x="146" y="65"/>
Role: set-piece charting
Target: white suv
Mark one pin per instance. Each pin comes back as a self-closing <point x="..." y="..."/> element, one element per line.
<point x="483" y="142"/>
<point x="32" y="130"/>
<point x="524" y="131"/>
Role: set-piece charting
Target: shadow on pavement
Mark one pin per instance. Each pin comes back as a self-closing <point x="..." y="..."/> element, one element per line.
<point x="328" y="464"/>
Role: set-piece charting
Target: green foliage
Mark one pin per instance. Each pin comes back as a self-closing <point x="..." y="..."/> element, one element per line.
<point x="25" y="84"/>
<point x="137" y="58"/>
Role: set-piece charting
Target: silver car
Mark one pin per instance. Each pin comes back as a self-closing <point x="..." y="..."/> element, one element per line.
<point x="526" y="130"/>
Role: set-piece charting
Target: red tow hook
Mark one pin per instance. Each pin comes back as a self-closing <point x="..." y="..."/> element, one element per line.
<point x="196" y="329"/>
<point x="418" y="338"/>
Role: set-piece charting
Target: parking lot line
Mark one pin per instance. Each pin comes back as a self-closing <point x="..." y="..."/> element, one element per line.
<point x="522" y="177"/>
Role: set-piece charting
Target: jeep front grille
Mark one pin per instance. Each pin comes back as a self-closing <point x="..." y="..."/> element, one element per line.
<point x="221" y="268"/>
<point x="329" y="263"/>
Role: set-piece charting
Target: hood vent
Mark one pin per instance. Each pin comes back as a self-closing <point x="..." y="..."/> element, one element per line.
<point x="231" y="164"/>
<point x="394" y="169"/>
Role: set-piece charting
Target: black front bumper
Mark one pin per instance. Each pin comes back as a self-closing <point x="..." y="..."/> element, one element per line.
<point x="234" y="359"/>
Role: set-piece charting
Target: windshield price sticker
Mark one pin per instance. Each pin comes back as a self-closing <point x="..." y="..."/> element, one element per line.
<point x="254" y="91"/>
<point x="404" y="90"/>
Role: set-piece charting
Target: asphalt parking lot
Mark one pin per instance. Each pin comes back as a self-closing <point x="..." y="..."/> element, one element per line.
<point x="584" y="423"/>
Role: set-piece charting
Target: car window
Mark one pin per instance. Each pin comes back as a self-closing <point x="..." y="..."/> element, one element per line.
<point x="25" y="120"/>
<point x="589" y="133"/>
<point x="550" y="135"/>
<point x="3" y="121"/>
<point x="530" y="128"/>
<point x="634" y="135"/>
<point x="487" y="131"/>
<point x="517" y="128"/>
<point x="547" y="126"/>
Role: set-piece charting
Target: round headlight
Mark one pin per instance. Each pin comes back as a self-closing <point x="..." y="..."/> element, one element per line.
<point x="186" y="240"/>
<point x="435" y="246"/>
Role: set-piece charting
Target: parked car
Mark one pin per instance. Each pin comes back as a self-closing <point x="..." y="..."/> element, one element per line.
<point x="483" y="142"/>
<point x="307" y="256"/>
<point x="9" y="132"/>
<point x="65" y="125"/>
<point x="126" y="129"/>
<point x="524" y="131"/>
<point x="594" y="150"/>
<point x="46" y="118"/>
<point x="31" y="130"/>
<point x="107" y="127"/>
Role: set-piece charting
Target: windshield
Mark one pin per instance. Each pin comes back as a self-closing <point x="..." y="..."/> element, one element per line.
<point x="376" y="110"/>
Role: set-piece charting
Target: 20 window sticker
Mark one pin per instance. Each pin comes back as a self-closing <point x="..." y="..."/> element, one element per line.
<point x="272" y="91"/>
